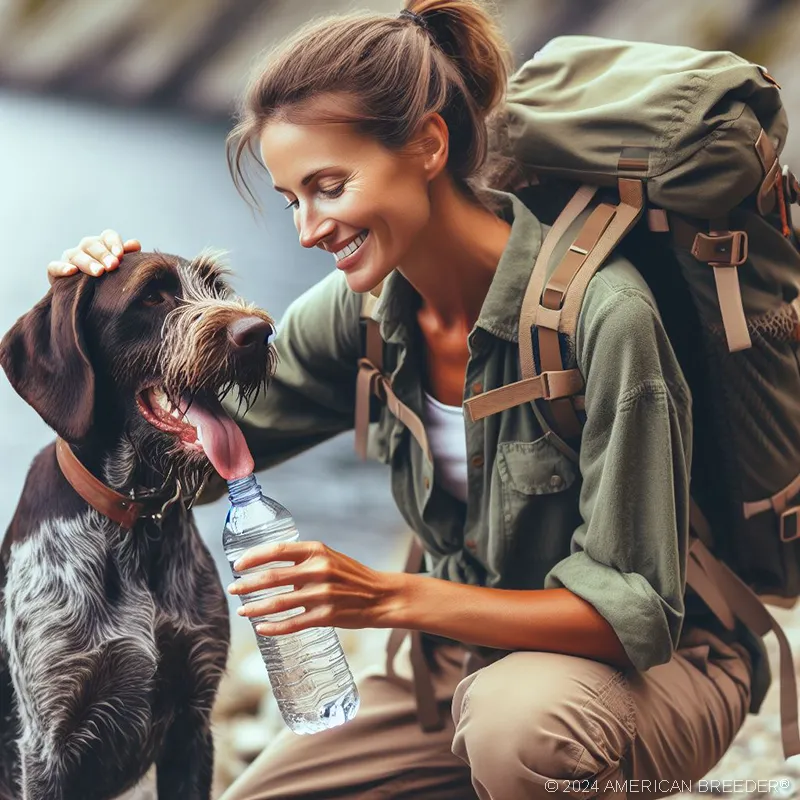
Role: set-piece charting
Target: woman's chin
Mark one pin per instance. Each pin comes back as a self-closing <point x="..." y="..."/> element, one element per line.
<point x="361" y="281"/>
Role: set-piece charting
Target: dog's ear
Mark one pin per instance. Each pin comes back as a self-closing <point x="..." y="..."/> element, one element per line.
<point x="45" y="358"/>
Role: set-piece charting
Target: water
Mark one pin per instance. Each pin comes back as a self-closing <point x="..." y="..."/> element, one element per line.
<point x="308" y="671"/>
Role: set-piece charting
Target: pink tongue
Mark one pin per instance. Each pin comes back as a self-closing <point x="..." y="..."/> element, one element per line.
<point x="222" y="440"/>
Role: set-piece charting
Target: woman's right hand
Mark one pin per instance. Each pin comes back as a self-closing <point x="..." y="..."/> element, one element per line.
<point x="94" y="255"/>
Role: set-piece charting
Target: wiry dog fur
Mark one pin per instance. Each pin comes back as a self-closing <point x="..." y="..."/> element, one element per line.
<point x="113" y="641"/>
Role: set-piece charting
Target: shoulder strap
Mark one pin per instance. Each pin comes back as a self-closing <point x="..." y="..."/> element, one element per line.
<point x="551" y="305"/>
<point x="371" y="381"/>
<point x="370" y="366"/>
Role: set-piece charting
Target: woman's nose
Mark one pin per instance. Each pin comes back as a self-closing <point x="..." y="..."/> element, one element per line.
<point x="312" y="232"/>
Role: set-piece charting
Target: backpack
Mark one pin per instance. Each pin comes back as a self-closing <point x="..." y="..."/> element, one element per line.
<point x="669" y="156"/>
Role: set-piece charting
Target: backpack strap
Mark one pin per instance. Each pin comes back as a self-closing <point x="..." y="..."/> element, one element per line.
<point x="552" y="313"/>
<point x="369" y="367"/>
<point x="715" y="578"/>
<point x="428" y="711"/>
<point x="534" y="387"/>
<point x="724" y="250"/>
<point x="371" y="381"/>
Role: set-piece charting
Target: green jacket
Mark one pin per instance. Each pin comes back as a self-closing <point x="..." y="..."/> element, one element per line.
<point x="613" y="532"/>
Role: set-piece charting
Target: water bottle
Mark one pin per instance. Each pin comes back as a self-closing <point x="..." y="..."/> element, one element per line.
<point x="310" y="677"/>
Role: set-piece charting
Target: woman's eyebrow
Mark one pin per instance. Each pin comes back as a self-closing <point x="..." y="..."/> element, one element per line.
<point x="308" y="178"/>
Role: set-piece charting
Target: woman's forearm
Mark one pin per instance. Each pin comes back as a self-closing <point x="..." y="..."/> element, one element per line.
<point x="554" y="620"/>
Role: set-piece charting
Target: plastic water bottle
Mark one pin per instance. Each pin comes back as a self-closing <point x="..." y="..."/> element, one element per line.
<point x="310" y="677"/>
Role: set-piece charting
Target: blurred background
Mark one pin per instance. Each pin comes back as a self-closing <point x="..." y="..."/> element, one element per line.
<point x="113" y="113"/>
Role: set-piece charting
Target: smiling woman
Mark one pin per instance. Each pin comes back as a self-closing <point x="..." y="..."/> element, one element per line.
<point x="550" y="573"/>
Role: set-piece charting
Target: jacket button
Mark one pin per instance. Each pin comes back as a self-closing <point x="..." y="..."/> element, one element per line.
<point x="477" y="387"/>
<point x="556" y="482"/>
<point x="477" y="461"/>
<point x="470" y="543"/>
<point x="427" y="482"/>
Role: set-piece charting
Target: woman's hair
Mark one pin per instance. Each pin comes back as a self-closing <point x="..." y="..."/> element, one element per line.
<point x="443" y="56"/>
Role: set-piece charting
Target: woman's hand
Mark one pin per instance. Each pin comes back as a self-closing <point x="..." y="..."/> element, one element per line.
<point x="94" y="255"/>
<point x="335" y="590"/>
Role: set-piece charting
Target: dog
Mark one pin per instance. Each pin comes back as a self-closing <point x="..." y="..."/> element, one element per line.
<point x="114" y="633"/>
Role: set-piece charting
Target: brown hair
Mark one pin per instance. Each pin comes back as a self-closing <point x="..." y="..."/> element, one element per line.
<point x="443" y="56"/>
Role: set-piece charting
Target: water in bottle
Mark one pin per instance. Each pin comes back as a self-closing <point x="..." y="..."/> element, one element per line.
<point x="310" y="677"/>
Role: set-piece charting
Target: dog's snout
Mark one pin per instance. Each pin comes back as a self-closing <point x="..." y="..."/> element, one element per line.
<point x="250" y="332"/>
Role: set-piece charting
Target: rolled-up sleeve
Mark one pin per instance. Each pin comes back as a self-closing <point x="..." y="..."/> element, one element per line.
<point x="628" y="557"/>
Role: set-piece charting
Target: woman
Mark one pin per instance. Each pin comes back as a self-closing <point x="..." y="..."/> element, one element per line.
<point x="589" y="669"/>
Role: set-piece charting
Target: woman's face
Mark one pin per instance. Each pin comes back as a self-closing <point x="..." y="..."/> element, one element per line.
<point x="350" y="195"/>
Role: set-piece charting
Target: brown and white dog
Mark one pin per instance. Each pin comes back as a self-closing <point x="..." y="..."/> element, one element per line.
<point x="114" y="633"/>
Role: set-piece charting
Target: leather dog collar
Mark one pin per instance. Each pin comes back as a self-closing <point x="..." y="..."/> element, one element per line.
<point x="117" y="507"/>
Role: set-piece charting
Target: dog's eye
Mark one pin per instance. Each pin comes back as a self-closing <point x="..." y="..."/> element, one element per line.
<point x="153" y="298"/>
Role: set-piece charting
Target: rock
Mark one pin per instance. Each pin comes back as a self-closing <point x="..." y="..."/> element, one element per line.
<point x="250" y="736"/>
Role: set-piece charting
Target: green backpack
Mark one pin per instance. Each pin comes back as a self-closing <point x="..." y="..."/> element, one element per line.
<point x="669" y="156"/>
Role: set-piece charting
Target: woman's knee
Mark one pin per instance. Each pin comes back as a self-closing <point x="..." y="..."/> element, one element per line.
<point x="544" y="715"/>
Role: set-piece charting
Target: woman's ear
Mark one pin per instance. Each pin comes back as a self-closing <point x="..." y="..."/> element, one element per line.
<point x="434" y="140"/>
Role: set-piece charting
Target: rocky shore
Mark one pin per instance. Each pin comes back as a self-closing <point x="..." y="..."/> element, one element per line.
<point x="246" y="718"/>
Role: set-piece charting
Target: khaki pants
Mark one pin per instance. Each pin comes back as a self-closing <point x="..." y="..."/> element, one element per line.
<point x="514" y="725"/>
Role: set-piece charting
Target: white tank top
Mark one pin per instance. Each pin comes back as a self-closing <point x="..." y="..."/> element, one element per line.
<point x="444" y="426"/>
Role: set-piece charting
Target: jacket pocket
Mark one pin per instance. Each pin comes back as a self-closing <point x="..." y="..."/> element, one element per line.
<point x="538" y="489"/>
<point x="537" y="467"/>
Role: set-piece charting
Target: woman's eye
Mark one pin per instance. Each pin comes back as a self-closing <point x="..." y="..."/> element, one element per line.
<point x="293" y="204"/>
<point x="152" y="299"/>
<point x="336" y="191"/>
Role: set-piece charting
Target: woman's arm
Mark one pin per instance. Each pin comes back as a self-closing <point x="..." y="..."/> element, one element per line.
<point x="339" y="591"/>
<point x="553" y="620"/>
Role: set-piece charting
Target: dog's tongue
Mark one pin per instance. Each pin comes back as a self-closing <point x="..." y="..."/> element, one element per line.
<point x="222" y="440"/>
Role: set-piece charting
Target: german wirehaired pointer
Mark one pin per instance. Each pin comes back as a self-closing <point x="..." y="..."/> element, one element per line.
<point x="113" y="622"/>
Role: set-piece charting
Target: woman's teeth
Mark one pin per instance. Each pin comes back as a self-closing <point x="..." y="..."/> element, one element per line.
<point x="349" y="249"/>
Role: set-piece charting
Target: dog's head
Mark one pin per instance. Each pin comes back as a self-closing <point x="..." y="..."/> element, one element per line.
<point x="142" y="356"/>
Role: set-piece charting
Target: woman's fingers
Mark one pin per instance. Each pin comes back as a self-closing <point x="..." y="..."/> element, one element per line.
<point x="263" y="554"/>
<point x="349" y="594"/>
<point x="60" y="269"/>
<point x="94" y="255"/>
<point x="284" y="573"/>
<point x="100" y="252"/>
<point x="316" y="618"/>
<point x="308" y="597"/>
<point x="84" y="262"/>
<point x="113" y="242"/>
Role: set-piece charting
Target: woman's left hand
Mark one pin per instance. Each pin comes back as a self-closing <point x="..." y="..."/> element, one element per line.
<point x="335" y="590"/>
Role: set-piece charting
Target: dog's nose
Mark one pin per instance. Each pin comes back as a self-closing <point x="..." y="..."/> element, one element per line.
<point x="248" y="332"/>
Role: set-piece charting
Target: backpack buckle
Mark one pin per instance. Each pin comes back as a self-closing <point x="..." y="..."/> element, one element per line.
<point x="721" y="248"/>
<point x="790" y="524"/>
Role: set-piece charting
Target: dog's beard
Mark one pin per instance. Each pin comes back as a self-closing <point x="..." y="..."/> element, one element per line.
<point x="149" y="463"/>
